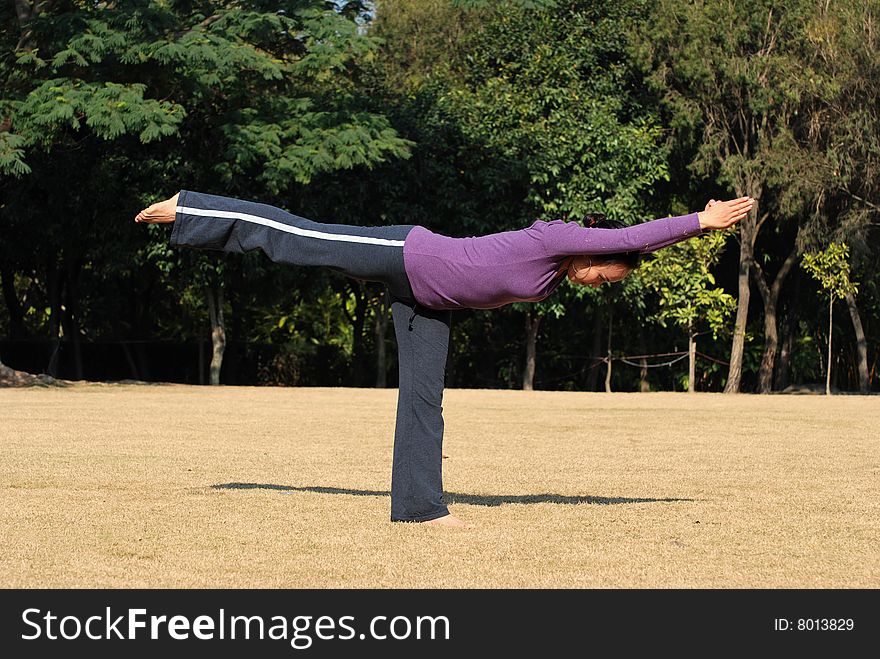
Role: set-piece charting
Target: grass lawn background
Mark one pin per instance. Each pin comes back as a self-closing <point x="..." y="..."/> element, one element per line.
<point x="183" y="486"/>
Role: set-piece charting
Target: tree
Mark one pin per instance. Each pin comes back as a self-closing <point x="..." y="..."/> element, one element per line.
<point x="534" y="314"/>
<point x="840" y="130"/>
<point x="256" y="97"/>
<point x="549" y="90"/>
<point x="681" y="275"/>
<point x="731" y="77"/>
<point x="770" y="299"/>
<point x="830" y="268"/>
<point x="41" y="108"/>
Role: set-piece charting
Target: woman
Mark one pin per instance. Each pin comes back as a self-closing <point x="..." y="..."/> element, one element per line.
<point x="428" y="276"/>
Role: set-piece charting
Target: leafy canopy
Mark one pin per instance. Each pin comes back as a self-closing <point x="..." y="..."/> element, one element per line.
<point x="681" y="276"/>
<point x="268" y="89"/>
<point x="830" y="267"/>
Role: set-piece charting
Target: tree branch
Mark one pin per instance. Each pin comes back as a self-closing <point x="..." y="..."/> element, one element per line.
<point x="761" y="223"/>
<point x="744" y="123"/>
<point x="24" y="11"/>
<point x="205" y="23"/>
<point x="864" y="201"/>
<point x="790" y="260"/>
<point x="760" y="281"/>
<point x="27" y="12"/>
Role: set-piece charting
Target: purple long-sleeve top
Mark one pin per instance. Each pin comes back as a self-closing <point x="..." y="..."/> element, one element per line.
<point x="486" y="272"/>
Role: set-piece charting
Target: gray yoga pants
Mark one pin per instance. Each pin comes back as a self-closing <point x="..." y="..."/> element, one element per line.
<point x="212" y="222"/>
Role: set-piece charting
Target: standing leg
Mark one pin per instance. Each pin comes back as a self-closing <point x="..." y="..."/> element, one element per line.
<point x="416" y="476"/>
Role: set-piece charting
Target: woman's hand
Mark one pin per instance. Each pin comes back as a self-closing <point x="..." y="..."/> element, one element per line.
<point x="724" y="214"/>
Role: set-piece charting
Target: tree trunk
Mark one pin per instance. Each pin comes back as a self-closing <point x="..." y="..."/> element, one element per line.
<point x="770" y="297"/>
<point x="13" y="306"/>
<point x="358" y="358"/>
<point x="71" y="315"/>
<point x="595" y="351"/>
<point x="608" y="356"/>
<point x="692" y="361"/>
<point x="608" y="373"/>
<point x="644" y="385"/>
<point x="746" y="252"/>
<point x="783" y="370"/>
<point x="130" y="360"/>
<point x="381" y="330"/>
<point x="214" y="296"/>
<point x="451" y="372"/>
<point x="830" y="328"/>
<point x="783" y="367"/>
<point x="771" y="347"/>
<point x="143" y="360"/>
<point x="54" y="285"/>
<point x="26" y="11"/>
<point x="533" y="322"/>
<point x="861" y="343"/>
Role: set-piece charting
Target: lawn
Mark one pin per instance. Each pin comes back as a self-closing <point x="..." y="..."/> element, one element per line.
<point x="182" y="486"/>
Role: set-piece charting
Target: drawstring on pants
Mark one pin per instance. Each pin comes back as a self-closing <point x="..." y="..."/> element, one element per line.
<point x="413" y="317"/>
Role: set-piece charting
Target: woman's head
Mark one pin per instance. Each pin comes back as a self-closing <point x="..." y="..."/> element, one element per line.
<point x="591" y="270"/>
<point x="594" y="271"/>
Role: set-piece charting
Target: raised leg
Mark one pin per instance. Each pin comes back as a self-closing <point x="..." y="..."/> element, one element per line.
<point x="214" y="222"/>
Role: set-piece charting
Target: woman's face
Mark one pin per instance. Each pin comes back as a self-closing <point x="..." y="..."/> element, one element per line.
<point x="593" y="271"/>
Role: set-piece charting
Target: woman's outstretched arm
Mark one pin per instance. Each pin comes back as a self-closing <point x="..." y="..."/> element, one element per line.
<point x="568" y="238"/>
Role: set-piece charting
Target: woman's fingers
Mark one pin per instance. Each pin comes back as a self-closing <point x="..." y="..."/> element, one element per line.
<point x="724" y="214"/>
<point x="739" y="209"/>
<point x="736" y="217"/>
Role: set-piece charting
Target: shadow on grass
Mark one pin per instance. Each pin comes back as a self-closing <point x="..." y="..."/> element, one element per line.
<point x="451" y="497"/>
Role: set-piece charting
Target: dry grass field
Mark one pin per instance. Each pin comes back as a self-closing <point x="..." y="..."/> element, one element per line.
<point x="180" y="486"/>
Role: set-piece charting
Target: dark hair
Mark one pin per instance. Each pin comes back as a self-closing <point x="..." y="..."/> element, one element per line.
<point x="631" y="260"/>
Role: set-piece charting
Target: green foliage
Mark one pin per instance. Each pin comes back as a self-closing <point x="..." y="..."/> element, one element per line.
<point x="534" y="110"/>
<point x="553" y="308"/>
<point x="102" y="101"/>
<point x="681" y="275"/>
<point x="830" y="268"/>
<point x="305" y="324"/>
<point x="840" y="124"/>
<point x="730" y="76"/>
<point x="109" y="109"/>
<point x="423" y="41"/>
<point x="12" y="155"/>
<point x="509" y="111"/>
<point x="272" y="88"/>
<point x="549" y="90"/>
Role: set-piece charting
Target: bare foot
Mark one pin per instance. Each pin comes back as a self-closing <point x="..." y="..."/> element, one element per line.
<point x="447" y="520"/>
<point x="162" y="211"/>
